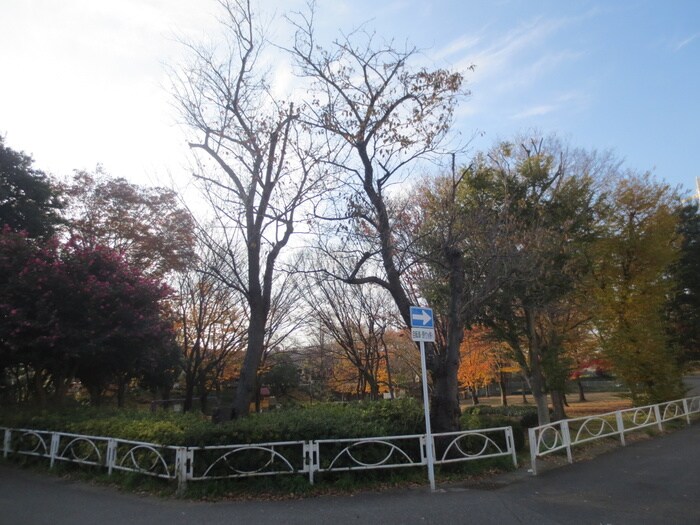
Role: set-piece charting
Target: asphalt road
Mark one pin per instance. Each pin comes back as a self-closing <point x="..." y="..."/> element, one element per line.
<point x="693" y="384"/>
<point x="652" y="481"/>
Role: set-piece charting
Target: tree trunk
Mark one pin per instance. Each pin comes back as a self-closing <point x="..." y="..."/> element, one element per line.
<point x="95" y="395"/>
<point x="60" y="385"/>
<point x="474" y="395"/>
<point x="536" y="383"/>
<point x="38" y="387"/>
<point x="256" y="397"/>
<point x="502" y="385"/>
<point x="581" y="394"/>
<point x="444" y="405"/>
<point x="536" y="379"/>
<point x="203" y="397"/>
<point x="122" y="383"/>
<point x="558" y="405"/>
<point x="189" y="393"/>
<point x="247" y="381"/>
<point x="445" y="383"/>
<point x="245" y="390"/>
<point x="388" y="373"/>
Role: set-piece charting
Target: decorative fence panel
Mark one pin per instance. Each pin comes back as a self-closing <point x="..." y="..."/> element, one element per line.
<point x="337" y="455"/>
<point x="114" y="454"/>
<point x="563" y="435"/>
<point x="259" y="459"/>
<point x="237" y="461"/>
<point x="468" y="445"/>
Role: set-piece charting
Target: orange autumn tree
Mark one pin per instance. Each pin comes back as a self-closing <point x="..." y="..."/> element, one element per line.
<point x="400" y="371"/>
<point x="481" y="360"/>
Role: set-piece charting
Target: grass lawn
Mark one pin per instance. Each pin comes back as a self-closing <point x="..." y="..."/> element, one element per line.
<point x="596" y="403"/>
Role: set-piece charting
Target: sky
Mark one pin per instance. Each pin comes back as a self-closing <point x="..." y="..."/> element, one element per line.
<point x="85" y="82"/>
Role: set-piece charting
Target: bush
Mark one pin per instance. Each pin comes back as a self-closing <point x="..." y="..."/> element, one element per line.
<point x="526" y="416"/>
<point x="473" y="420"/>
<point x="320" y="421"/>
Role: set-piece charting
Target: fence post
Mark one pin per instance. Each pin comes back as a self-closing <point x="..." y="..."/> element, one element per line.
<point x="511" y="444"/>
<point x="566" y="436"/>
<point x="310" y="451"/>
<point x="7" y="443"/>
<point x="181" y="464"/>
<point x="534" y="445"/>
<point x="657" y="413"/>
<point x="55" y="438"/>
<point x="686" y="409"/>
<point x="111" y="458"/>
<point x="620" y="426"/>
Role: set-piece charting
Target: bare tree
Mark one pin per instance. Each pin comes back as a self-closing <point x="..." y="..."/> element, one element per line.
<point x="356" y="319"/>
<point x="211" y="329"/>
<point x="253" y="166"/>
<point x="379" y="116"/>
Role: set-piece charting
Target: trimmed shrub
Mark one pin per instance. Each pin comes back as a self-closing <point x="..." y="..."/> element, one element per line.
<point x="474" y="421"/>
<point x="320" y="421"/>
<point x="526" y="416"/>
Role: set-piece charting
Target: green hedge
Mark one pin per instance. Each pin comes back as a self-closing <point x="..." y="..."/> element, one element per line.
<point x="518" y="417"/>
<point x="320" y="421"/>
<point x="526" y="416"/>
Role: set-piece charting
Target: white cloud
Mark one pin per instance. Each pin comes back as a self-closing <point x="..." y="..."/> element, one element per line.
<point x="567" y="101"/>
<point x="536" y="111"/>
<point x="460" y="44"/>
<point x="685" y="42"/>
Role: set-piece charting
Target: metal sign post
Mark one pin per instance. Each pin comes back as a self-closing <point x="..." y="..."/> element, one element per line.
<point x="422" y="330"/>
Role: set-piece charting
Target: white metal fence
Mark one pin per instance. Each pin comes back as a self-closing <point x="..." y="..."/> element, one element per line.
<point x="259" y="459"/>
<point x="563" y="435"/>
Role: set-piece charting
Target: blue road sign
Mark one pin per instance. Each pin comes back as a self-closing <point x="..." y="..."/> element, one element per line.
<point x="421" y="317"/>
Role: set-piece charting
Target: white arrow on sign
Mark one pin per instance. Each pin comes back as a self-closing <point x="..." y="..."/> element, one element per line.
<point x="421" y="317"/>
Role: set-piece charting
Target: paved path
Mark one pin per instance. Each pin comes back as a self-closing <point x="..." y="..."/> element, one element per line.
<point x="693" y="384"/>
<point x="653" y="481"/>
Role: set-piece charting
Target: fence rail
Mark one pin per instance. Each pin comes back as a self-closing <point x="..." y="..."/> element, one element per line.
<point x="567" y="433"/>
<point x="259" y="459"/>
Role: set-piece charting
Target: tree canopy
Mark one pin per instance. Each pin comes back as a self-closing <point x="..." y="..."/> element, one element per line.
<point x="29" y="201"/>
<point x="76" y="312"/>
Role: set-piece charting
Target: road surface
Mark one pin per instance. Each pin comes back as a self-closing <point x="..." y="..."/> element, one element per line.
<point x="648" y="482"/>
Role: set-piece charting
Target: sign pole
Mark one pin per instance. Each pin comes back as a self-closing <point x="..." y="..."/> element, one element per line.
<point x="426" y="410"/>
<point x="422" y="330"/>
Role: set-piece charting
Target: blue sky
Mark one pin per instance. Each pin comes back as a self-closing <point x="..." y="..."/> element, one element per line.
<point x="84" y="80"/>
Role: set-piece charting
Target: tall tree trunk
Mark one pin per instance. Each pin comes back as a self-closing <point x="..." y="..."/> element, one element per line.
<point x="581" y="393"/>
<point x="444" y="405"/>
<point x="38" y="387"/>
<point x="502" y="386"/>
<point x="388" y="373"/>
<point x="445" y="383"/>
<point x="474" y="395"/>
<point x="60" y="384"/>
<point x="189" y="392"/>
<point x="122" y="383"/>
<point x="558" y="405"/>
<point x="256" y="396"/>
<point x="203" y="392"/>
<point x="95" y="395"/>
<point x="536" y="379"/>
<point x="247" y="381"/>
